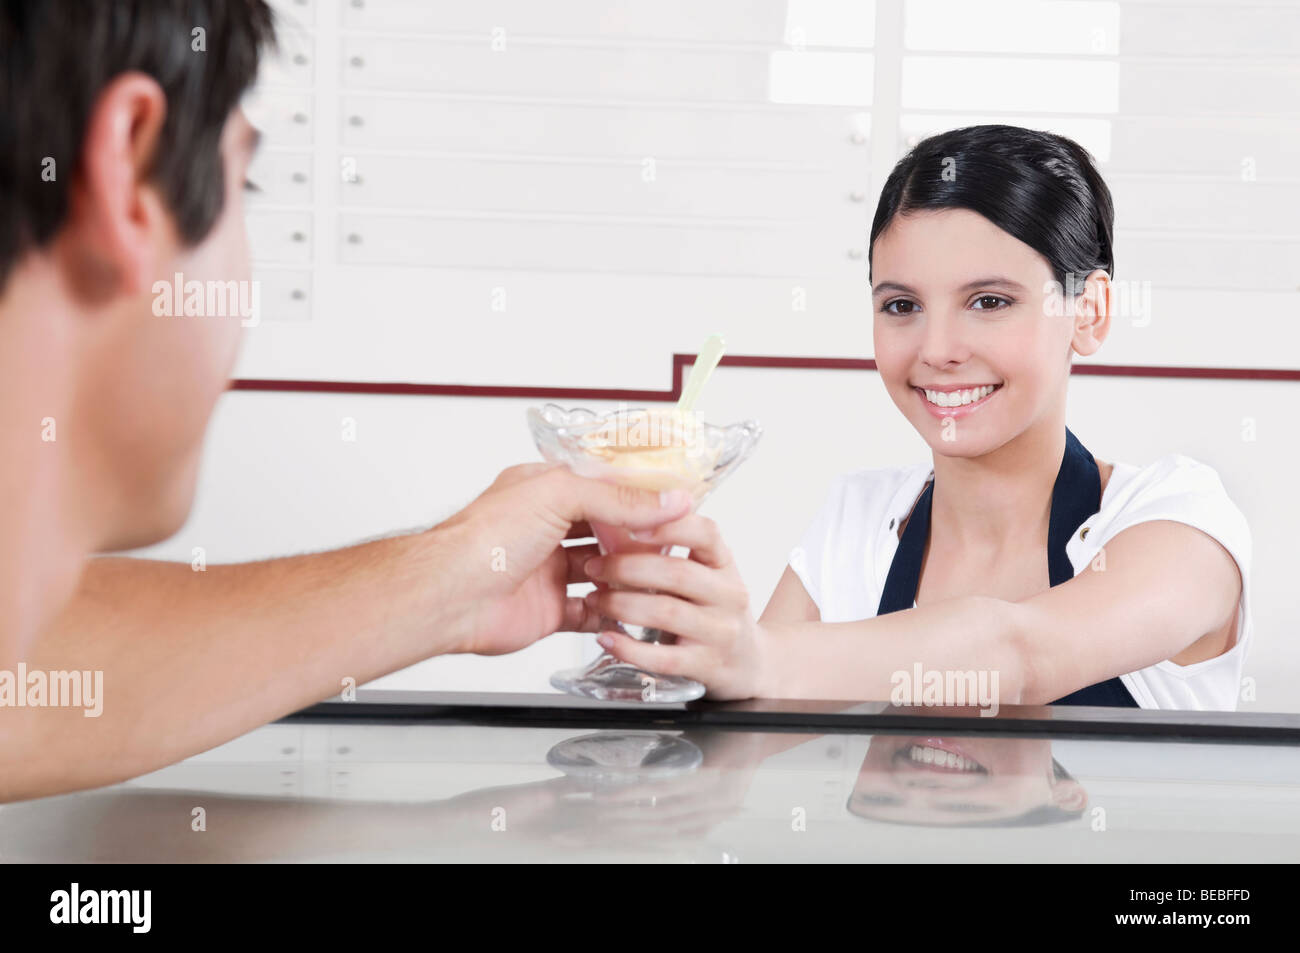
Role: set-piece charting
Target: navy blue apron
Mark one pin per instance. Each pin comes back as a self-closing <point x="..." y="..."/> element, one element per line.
<point x="1075" y="497"/>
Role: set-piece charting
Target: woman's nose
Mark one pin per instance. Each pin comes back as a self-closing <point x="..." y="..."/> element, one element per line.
<point x="942" y="340"/>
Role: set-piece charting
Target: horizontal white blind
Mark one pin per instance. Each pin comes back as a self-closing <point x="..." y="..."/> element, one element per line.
<point x="520" y="194"/>
<point x="602" y="185"/>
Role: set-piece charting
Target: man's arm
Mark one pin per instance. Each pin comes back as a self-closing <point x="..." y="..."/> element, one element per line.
<point x="193" y="659"/>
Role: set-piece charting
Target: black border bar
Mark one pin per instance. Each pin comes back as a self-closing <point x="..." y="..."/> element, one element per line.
<point x="822" y="717"/>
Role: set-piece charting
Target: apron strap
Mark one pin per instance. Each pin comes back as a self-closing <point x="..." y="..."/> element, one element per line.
<point x="1076" y="495"/>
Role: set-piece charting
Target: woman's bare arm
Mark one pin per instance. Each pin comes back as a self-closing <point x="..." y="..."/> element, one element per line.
<point x="1160" y="587"/>
<point x="790" y="602"/>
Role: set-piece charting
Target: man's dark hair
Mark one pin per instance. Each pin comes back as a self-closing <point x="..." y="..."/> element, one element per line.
<point x="57" y="56"/>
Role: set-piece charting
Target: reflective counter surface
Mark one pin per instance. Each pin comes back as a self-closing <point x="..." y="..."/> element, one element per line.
<point x="422" y="777"/>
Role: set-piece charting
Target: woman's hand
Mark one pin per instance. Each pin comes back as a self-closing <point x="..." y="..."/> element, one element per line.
<point x="701" y="600"/>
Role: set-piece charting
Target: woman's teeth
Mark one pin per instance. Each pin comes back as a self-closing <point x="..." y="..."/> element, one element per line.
<point x="943" y="759"/>
<point x="959" y="398"/>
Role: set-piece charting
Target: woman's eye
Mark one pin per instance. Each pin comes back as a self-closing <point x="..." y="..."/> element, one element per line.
<point x="997" y="301"/>
<point x="889" y="305"/>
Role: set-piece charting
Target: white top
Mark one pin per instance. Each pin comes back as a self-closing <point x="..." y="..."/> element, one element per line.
<point x="845" y="555"/>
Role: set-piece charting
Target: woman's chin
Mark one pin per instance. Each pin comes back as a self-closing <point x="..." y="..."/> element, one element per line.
<point x="952" y="440"/>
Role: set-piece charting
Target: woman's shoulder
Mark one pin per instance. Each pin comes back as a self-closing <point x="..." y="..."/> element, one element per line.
<point x="861" y="504"/>
<point x="1172" y="487"/>
<point x="878" y="487"/>
<point x="836" y="555"/>
<point x="1169" y="476"/>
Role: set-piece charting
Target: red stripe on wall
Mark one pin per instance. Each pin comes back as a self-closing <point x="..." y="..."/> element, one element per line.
<point x="682" y="361"/>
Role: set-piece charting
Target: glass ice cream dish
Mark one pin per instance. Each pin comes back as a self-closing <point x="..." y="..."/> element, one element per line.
<point x="651" y="449"/>
<point x="607" y="759"/>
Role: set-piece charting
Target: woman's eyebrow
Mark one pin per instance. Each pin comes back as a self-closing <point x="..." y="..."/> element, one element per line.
<point x="890" y="286"/>
<point x="991" y="281"/>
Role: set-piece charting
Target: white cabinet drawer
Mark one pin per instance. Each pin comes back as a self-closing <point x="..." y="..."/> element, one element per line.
<point x="294" y="63"/>
<point x="725" y="21"/>
<point x="284" y="118"/>
<point x="583" y="72"/>
<point x="776" y="134"/>
<point x="450" y="241"/>
<point x="286" y="294"/>
<point x="609" y="187"/>
<point x="280" y="236"/>
<point x="294" y="12"/>
<point x="275" y="743"/>
<point x="284" y="178"/>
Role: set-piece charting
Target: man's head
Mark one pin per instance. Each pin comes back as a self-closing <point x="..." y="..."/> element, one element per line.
<point x="122" y="160"/>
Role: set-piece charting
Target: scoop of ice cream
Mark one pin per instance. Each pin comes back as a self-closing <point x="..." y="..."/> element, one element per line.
<point x="657" y="449"/>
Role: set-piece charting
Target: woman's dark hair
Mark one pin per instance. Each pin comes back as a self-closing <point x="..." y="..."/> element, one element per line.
<point x="1036" y="186"/>
<point x="56" y="57"/>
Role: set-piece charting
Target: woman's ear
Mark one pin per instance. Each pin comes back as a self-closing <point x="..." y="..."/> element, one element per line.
<point x="1092" y="313"/>
<point x="1068" y="795"/>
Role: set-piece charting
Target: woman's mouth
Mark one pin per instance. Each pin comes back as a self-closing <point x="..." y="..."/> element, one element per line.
<point x="935" y="755"/>
<point x="956" y="403"/>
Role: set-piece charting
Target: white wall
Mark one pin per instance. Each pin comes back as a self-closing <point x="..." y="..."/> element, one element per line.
<point x="614" y="182"/>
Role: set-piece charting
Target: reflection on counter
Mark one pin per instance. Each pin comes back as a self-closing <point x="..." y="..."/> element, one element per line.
<point x="376" y="792"/>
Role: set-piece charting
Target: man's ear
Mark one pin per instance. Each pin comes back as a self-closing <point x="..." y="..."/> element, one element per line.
<point x="1092" y="313"/>
<point x="117" y="221"/>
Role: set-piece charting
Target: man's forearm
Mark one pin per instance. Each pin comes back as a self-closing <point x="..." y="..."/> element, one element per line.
<point x="192" y="659"/>
<point x="858" y="660"/>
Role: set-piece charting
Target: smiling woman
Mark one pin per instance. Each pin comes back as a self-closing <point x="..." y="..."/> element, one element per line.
<point x="1014" y="550"/>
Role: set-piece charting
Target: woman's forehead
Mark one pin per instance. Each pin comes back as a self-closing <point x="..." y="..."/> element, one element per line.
<point x="948" y="248"/>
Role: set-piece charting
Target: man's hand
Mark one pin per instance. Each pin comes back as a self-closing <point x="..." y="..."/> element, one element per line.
<point x="512" y="536"/>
